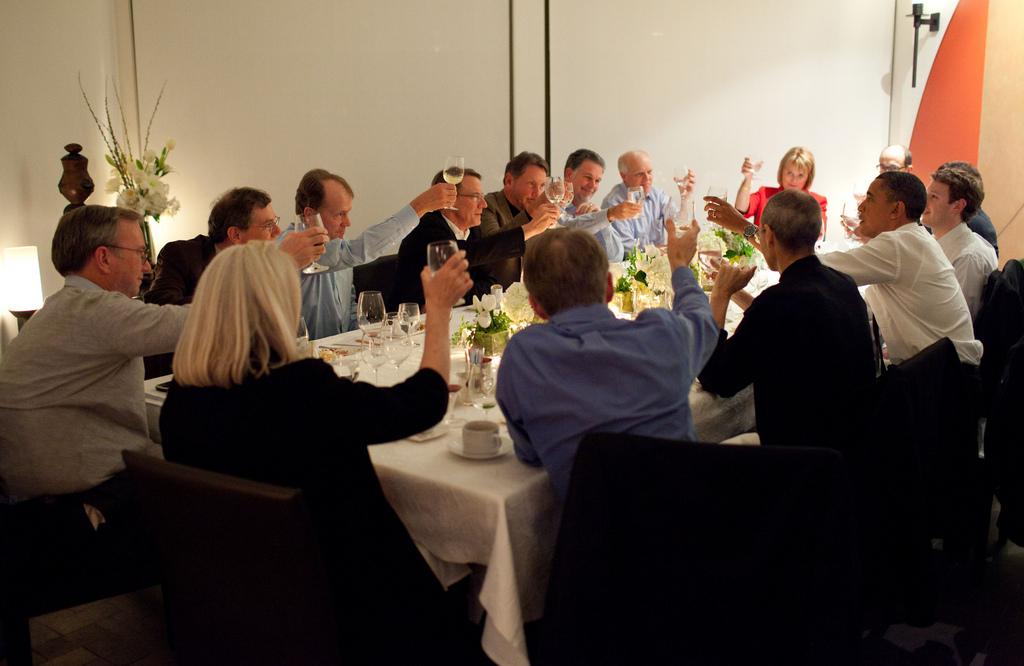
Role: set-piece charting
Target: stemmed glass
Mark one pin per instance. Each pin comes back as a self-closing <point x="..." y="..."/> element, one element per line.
<point x="481" y="392"/>
<point x="566" y="201"/>
<point x="394" y="343"/>
<point x="302" y="337"/>
<point x="681" y="176"/>
<point x="409" y="320"/>
<point x="554" y="189"/>
<point x="756" y="162"/>
<point x="850" y="222"/>
<point x="454" y="169"/>
<point x="439" y="252"/>
<point x="310" y="220"/>
<point x="860" y="192"/>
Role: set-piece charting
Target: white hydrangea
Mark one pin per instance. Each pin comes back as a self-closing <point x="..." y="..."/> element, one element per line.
<point x="516" y="304"/>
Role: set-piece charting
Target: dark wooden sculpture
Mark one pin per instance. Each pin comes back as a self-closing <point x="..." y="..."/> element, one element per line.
<point x="75" y="183"/>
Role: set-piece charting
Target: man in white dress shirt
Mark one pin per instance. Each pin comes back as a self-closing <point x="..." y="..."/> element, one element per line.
<point x="954" y="196"/>
<point x="913" y="293"/>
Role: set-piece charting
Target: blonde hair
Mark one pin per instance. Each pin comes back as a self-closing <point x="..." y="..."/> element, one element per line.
<point x="801" y="157"/>
<point x="244" y="318"/>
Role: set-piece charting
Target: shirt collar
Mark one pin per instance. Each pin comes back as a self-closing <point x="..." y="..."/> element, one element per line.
<point x="459" y="233"/>
<point x="80" y="282"/>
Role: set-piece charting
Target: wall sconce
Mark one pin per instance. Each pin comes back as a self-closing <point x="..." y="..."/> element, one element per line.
<point x="932" y="21"/>
<point x="24" y="286"/>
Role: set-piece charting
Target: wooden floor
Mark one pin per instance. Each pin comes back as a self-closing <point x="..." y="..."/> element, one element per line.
<point x="978" y="625"/>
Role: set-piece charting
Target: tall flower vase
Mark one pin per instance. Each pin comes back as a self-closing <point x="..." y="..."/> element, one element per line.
<point x="623" y="300"/>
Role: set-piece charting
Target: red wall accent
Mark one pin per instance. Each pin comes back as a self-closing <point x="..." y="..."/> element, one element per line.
<point x="948" y="121"/>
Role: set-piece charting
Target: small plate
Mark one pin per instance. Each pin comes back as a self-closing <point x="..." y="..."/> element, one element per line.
<point x="430" y="433"/>
<point x="455" y="446"/>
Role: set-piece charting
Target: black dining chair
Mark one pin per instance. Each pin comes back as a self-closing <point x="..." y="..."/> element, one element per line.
<point x="684" y="553"/>
<point x="378" y="275"/>
<point x="244" y="580"/>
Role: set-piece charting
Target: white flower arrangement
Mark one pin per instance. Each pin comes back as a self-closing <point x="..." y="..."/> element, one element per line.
<point x="516" y="304"/>
<point x="137" y="182"/>
<point x="488" y="319"/>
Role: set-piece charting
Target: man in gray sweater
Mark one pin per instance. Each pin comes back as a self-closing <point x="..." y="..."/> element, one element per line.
<point x="71" y="382"/>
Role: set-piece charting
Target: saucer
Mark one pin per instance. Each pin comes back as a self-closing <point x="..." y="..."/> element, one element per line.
<point x="455" y="446"/>
<point x="430" y="433"/>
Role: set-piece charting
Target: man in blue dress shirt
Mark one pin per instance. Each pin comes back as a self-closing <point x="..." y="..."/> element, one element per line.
<point x="587" y="371"/>
<point x="647" y="229"/>
<point x="328" y="300"/>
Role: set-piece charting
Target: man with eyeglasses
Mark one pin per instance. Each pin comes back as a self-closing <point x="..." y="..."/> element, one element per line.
<point x="899" y="158"/>
<point x="241" y="215"/>
<point x="71" y="399"/>
<point x="328" y="298"/>
<point x="462" y="225"/>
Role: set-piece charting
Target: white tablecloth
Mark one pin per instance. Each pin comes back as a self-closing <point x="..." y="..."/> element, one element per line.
<point x="497" y="518"/>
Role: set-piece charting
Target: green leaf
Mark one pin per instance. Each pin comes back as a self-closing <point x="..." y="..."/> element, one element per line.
<point x="729" y="254"/>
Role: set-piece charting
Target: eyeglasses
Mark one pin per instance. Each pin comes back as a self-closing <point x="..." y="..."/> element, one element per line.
<point x="143" y="254"/>
<point x="269" y="225"/>
<point x="885" y="168"/>
<point x="471" y="196"/>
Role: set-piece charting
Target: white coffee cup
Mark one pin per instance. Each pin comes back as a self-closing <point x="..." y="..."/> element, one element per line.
<point x="480" y="438"/>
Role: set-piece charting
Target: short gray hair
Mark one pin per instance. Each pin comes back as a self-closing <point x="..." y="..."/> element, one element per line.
<point x="565" y="268"/>
<point x="624" y="159"/>
<point x="795" y="218"/>
<point x="82" y="230"/>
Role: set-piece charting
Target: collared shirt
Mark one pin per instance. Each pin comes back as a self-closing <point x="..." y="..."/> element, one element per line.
<point x="973" y="259"/>
<point x="328" y="301"/>
<point x="598" y="224"/>
<point x="648" y="229"/>
<point x="913" y="292"/>
<point x="459" y="233"/>
<point x="602" y="374"/>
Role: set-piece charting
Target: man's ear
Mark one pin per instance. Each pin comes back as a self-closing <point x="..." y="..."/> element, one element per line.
<point x="101" y="256"/>
<point x="508" y="180"/>
<point x="234" y="235"/>
<point x="538" y="310"/>
<point x="960" y="205"/>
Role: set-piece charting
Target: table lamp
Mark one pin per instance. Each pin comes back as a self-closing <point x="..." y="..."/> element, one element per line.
<point x="24" y="287"/>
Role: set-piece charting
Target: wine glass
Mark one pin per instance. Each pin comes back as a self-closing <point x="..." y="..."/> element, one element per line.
<point x="756" y="162"/>
<point x="481" y="392"/>
<point x="409" y="320"/>
<point x="453" y="401"/>
<point x="309" y="220"/>
<point x="554" y="189"/>
<point x="439" y="252"/>
<point x="635" y="194"/>
<point x="681" y="178"/>
<point x="375" y="355"/>
<point x="566" y="201"/>
<point x="394" y="343"/>
<point x="860" y="191"/>
<point x="302" y="337"/>
<point x="454" y="169"/>
<point x="709" y="255"/>
<point x="370" y="313"/>
<point x="850" y="221"/>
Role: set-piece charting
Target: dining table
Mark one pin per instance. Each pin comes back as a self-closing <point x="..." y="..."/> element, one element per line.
<point x="496" y="519"/>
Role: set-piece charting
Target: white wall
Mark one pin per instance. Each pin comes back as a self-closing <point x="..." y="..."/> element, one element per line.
<point x="43" y="47"/>
<point x="381" y="93"/>
<point x="703" y="84"/>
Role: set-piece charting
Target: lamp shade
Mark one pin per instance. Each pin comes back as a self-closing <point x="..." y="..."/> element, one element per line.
<point x="24" y="287"/>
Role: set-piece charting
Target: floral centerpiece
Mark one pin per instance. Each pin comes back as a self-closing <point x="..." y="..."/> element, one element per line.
<point x="136" y="181"/>
<point x="516" y="304"/>
<point x="645" y="280"/>
<point x="490" y="327"/>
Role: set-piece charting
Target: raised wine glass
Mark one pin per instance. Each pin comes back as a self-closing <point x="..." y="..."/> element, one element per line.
<point x="309" y="218"/>
<point x="756" y="162"/>
<point x="454" y="170"/>
<point x="554" y="189"/>
<point x="440" y="252"/>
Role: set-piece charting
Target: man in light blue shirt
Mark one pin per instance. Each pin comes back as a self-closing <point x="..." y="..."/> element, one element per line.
<point x="328" y="300"/>
<point x="647" y="229"/>
<point x="592" y="371"/>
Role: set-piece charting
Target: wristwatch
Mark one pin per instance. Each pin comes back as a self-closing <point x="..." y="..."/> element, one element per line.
<point x="750" y="231"/>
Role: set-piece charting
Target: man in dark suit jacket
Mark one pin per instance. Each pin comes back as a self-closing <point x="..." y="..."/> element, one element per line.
<point x="520" y="199"/>
<point x="462" y="226"/>
<point x="239" y="216"/>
